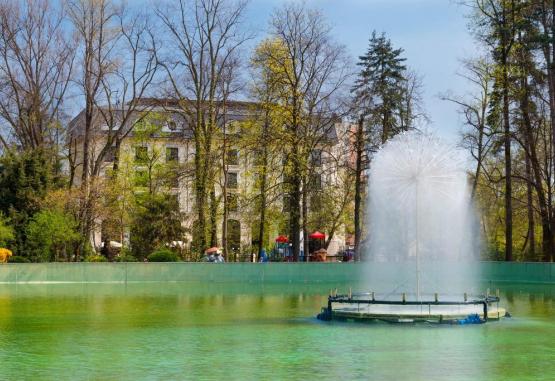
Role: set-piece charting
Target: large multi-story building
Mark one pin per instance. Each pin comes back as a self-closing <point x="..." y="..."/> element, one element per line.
<point x="172" y="142"/>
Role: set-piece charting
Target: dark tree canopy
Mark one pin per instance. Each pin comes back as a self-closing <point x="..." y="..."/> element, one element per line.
<point x="157" y="222"/>
<point x="379" y="88"/>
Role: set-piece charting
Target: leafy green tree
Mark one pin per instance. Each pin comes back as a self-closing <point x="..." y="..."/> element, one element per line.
<point x="51" y="236"/>
<point x="156" y="222"/>
<point x="6" y="231"/>
<point x="25" y="178"/>
<point x="264" y="136"/>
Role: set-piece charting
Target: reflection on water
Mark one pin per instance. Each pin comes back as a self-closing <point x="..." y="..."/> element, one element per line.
<point x="252" y="331"/>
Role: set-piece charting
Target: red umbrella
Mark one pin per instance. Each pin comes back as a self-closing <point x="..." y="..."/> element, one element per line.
<point x="317" y="235"/>
<point x="282" y="239"/>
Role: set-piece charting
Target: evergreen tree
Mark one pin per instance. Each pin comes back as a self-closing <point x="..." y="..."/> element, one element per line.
<point x="380" y="87"/>
<point x="156" y="223"/>
<point x="24" y="180"/>
<point x="383" y="101"/>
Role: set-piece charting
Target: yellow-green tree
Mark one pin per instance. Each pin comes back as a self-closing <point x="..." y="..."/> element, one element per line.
<point x="264" y="136"/>
<point x="310" y="70"/>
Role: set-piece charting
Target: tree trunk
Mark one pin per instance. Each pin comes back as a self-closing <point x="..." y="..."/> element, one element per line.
<point x="531" y="236"/>
<point x="117" y="154"/>
<point x="261" y="230"/>
<point x="548" y="48"/>
<point x="531" y="152"/>
<point x="263" y="179"/>
<point x="213" y="217"/>
<point x="200" y="190"/>
<point x="508" y="163"/>
<point x="294" y="204"/>
<point x="225" y="218"/>
<point x="86" y="142"/>
<point x="224" y="190"/>
<point x="305" y="218"/>
<point x="359" y="146"/>
<point x="385" y="126"/>
<point x="480" y="155"/>
<point x="85" y="212"/>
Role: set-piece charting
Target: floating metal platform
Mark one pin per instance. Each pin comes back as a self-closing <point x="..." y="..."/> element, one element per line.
<point x="365" y="307"/>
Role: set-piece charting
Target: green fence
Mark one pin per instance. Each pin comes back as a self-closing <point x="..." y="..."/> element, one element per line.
<point x="178" y="272"/>
<point x="529" y="272"/>
<point x="239" y="272"/>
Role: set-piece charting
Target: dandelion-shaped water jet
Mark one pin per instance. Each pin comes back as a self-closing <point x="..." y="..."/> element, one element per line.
<point x="418" y="191"/>
<point x="421" y="258"/>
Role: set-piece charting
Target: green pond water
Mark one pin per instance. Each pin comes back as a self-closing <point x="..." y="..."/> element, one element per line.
<point x="166" y="331"/>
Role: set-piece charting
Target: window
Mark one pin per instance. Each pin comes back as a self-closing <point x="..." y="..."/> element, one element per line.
<point x="316" y="157"/>
<point x="172" y="126"/>
<point x="172" y="154"/>
<point x="232" y="180"/>
<point x="233" y="157"/>
<point x="315" y="181"/>
<point x="141" y="154"/>
<point x="232" y="202"/>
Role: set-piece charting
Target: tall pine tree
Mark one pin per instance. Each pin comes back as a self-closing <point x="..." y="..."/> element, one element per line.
<point x="379" y="92"/>
<point x="379" y="89"/>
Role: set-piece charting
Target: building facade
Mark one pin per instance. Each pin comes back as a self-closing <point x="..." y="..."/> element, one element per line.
<point x="168" y="143"/>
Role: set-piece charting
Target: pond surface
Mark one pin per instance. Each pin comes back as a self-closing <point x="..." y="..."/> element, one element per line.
<point x="163" y="331"/>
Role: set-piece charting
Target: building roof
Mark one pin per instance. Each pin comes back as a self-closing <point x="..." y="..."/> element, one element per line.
<point x="235" y="111"/>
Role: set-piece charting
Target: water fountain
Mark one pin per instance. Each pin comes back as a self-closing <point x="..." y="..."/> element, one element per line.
<point x="421" y="259"/>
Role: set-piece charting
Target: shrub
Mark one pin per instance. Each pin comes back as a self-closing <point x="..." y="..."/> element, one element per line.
<point x="51" y="235"/>
<point x="18" y="259"/>
<point x="163" y="255"/>
<point x="6" y="231"/>
<point x="95" y="258"/>
<point x="125" y="255"/>
<point x="126" y="258"/>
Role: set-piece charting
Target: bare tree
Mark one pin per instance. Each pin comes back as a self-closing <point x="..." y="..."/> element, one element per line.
<point x="95" y="24"/>
<point x="230" y="85"/>
<point x="204" y="37"/>
<point x="125" y="84"/>
<point x="479" y="136"/>
<point x="117" y="65"/>
<point x="412" y="113"/>
<point x="36" y="61"/>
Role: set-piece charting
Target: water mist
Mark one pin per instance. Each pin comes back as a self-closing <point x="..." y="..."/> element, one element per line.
<point x="421" y="238"/>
